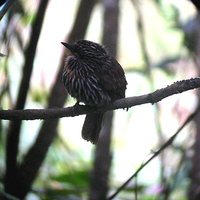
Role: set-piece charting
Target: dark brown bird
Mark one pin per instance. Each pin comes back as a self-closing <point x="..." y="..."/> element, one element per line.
<point x="95" y="78"/>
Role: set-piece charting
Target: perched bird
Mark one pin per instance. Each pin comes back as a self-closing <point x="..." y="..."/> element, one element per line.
<point x="95" y="78"/>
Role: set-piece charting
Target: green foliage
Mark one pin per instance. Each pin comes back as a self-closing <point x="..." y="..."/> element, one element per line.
<point x="39" y="95"/>
<point x="66" y="184"/>
<point x="78" y="179"/>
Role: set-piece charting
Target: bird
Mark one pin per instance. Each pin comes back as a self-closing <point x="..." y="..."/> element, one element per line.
<point x="95" y="78"/>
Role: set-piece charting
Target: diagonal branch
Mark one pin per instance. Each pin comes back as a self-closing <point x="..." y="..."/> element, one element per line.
<point x="156" y="153"/>
<point x="5" y="7"/>
<point x="52" y="113"/>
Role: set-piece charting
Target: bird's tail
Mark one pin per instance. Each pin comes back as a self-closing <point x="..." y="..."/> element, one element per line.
<point x="92" y="126"/>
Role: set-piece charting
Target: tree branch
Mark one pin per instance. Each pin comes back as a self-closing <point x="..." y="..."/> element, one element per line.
<point x="12" y="180"/>
<point x="5" y="7"/>
<point x="52" y="113"/>
<point x="156" y="153"/>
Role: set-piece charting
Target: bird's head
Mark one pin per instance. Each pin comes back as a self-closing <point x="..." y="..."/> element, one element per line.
<point x="85" y="49"/>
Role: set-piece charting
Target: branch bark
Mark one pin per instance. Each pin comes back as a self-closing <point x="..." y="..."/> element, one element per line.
<point x="5" y="7"/>
<point x="53" y="113"/>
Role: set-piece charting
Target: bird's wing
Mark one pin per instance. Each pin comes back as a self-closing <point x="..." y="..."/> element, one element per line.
<point x="112" y="79"/>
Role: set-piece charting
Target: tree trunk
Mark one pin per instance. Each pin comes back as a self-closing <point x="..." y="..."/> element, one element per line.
<point x="102" y="159"/>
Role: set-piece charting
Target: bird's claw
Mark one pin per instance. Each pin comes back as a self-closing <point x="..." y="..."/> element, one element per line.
<point x="126" y="109"/>
<point x="76" y="104"/>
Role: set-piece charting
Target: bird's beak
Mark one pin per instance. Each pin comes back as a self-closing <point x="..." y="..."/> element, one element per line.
<point x="68" y="46"/>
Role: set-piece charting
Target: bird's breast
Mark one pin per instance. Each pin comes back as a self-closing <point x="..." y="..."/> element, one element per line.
<point x="82" y="83"/>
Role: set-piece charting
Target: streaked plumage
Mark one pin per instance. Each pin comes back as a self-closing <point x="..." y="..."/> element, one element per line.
<point x="95" y="78"/>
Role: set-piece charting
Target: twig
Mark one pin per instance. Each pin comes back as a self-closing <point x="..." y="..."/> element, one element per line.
<point x="5" y="7"/>
<point x="53" y="113"/>
<point x="156" y="153"/>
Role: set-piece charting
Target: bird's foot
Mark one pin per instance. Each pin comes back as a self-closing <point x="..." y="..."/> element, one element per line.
<point x="76" y="104"/>
<point x="126" y="109"/>
<point x="74" y="108"/>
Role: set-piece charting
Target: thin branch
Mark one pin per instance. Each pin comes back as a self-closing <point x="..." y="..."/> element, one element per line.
<point x="5" y="7"/>
<point x="11" y="180"/>
<point x="156" y="153"/>
<point x="53" y="113"/>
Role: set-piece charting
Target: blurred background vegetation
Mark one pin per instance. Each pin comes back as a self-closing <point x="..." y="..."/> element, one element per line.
<point x="157" y="42"/>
